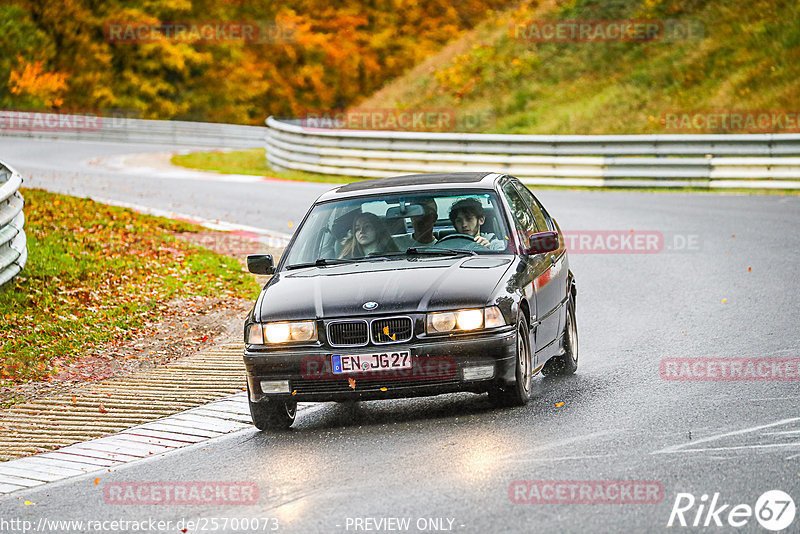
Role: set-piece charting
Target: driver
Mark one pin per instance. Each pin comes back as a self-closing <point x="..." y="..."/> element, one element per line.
<point x="467" y="217"/>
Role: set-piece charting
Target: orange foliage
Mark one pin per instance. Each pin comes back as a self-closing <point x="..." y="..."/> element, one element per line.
<point x="30" y="80"/>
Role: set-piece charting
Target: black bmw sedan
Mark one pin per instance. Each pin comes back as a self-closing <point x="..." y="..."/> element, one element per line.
<point x="412" y="285"/>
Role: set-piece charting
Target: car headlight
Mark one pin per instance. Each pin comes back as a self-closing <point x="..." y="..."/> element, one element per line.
<point x="283" y="332"/>
<point x="464" y="320"/>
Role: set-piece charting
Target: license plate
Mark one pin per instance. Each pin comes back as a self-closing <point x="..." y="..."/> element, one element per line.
<point x="359" y="363"/>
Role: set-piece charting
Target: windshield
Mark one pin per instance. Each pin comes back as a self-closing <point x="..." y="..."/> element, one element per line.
<point x="398" y="224"/>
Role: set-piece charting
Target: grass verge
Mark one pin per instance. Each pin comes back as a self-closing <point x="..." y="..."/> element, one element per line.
<point x="97" y="274"/>
<point x="253" y="162"/>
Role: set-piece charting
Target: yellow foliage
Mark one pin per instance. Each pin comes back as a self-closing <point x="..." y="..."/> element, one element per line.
<point x="31" y="80"/>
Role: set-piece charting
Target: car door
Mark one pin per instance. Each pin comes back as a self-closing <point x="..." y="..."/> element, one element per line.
<point x="552" y="283"/>
<point x="531" y="269"/>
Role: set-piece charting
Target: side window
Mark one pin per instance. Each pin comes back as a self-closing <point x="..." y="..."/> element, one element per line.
<point x="523" y="221"/>
<point x="542" y="221"/>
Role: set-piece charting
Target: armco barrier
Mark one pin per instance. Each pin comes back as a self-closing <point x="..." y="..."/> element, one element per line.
<point x="713" y="161"/>
<point x="124" y="130"/>
<point x="13" y="246"/>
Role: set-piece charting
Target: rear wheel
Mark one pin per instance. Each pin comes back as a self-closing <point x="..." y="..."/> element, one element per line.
<point x="519" y="393"/>
<point x="273" y="414"/>
<point x="567" y="363"/>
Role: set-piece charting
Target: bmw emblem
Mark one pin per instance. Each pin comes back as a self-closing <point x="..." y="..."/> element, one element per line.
<point x="370" y="305"/>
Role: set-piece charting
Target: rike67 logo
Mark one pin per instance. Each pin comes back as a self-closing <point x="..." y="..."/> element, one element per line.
<point x="774" y="510"/>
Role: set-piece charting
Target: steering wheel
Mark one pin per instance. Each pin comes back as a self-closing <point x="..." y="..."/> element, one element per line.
<point x="466" y="237"/>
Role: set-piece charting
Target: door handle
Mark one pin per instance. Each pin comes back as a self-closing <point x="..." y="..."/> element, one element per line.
<point x="552" y="258"/>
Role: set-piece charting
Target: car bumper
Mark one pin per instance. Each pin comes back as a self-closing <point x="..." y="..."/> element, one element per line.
<point x="438" y="366"/>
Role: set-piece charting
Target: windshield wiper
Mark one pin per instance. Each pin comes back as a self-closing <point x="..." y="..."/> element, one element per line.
<point x="414" y="251"/>
<point x="320" y="262"/>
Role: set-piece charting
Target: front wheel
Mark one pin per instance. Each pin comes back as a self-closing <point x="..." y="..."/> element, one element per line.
<point x="519" y="393"/>
<point x="274" y="414"/>
<point x="567" y="363"/>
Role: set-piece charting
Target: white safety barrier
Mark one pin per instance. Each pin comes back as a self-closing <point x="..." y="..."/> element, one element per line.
<point x="123" y="130"/>
<point x="713" y="161"/>
<point x="13" y="245"/>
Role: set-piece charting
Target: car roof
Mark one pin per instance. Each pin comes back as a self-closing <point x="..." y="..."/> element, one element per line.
<point x="414" y="182"/>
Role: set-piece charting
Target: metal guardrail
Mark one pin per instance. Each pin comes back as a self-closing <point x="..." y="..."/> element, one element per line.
<point x="13" y="245"/>
<point x="125" y="130"/>
<point x="713" y="161"/>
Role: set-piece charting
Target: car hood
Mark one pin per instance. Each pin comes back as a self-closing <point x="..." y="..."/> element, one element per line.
<point x="407" y="285"/>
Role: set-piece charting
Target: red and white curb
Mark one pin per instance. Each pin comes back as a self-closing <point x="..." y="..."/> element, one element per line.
<point x="204" y="423"/>
<point x="270" y="238"/>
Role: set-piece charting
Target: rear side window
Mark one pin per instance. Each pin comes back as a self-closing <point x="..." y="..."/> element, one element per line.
<point x="524" y="222"/>
<point x="542" y="219"/>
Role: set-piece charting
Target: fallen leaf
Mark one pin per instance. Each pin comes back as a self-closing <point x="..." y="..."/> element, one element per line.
<point x="383" y="389"/>
<point x="294" y="392"/>
<point x="352" y="382"/>
<point x="559" y="404"/>
<point x="102" y="408"/>
<point x="749" y="269"/>
<point x="724" y="301"/>
<point x="74" y="400"/>
<point x="386" y="333"/>
<point x="96" y="481"/>
<point x="28" y="503"/>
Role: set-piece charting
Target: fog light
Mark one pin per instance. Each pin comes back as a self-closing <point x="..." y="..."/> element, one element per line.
<point x="275" y="386"/>
<point x="478" y="372"/>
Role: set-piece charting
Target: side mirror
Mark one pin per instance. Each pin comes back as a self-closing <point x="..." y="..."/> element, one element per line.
<point x="260" y="264"/>
<point x="541" y="243"/>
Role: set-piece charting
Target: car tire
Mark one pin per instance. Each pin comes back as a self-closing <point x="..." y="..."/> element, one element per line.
<point x="274" y="414"/>
<point x="567" y="363"/>
<point x="519" y="393"/>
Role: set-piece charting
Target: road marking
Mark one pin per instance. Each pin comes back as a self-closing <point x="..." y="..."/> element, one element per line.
<point x="528" y="453"/>
<point x="564" y="458"/>
<point x="271" y="238"/>
<point x="684" y="447"/>
<point x="782" y="433"/>
<point x="733" y="448"/>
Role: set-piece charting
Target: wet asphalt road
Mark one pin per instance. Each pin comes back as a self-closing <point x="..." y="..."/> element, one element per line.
<point x="454" y="457"/>
<point x="63" y="166"/>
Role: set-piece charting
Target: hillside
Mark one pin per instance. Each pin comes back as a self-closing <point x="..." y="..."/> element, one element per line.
<point x="741" y="59"/>
<point x="231" y="61"/>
